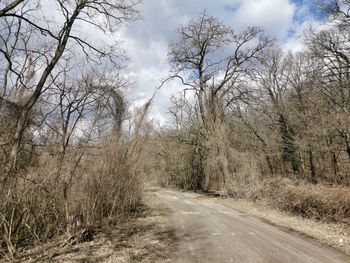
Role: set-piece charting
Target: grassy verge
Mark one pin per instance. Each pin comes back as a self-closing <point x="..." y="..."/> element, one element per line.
<point x="332" y="234"/>
<point x="147" y="238"/>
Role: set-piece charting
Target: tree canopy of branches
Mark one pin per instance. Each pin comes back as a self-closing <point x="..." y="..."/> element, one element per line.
<point x="259" y="111"/>
<point x="33" y="47"/>
<point x="212" y="60"/>
<point x="64" y="152"/>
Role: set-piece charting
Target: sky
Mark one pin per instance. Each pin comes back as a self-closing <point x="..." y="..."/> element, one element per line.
<point x="147" y="40"/>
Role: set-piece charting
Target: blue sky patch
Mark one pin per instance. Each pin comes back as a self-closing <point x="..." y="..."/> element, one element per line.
<point x="307" y="9"/>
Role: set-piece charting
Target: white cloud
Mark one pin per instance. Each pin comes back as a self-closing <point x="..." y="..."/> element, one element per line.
<point x="296" y="43"/>
<point x="274" y="16"/>
<point x="147" y="40"/>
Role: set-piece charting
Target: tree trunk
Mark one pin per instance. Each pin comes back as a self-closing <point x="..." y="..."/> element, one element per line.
<point x="22" y="119"/>
<point x="289" y="148"/>
<point x="312" y="165"/>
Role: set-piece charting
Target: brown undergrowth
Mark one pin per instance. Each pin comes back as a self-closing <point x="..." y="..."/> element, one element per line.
<point x="321" y="202"/>
<point x="146" y="237"/>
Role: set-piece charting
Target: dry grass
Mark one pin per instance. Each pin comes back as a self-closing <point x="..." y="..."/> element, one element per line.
<point x="328" y="203"/>
<point x="147" y="237"/>
<point x="87" y="184"/>
<point x="105" y="185"/>
<point x="335" y="235"/>
<point x="321" y="202"/>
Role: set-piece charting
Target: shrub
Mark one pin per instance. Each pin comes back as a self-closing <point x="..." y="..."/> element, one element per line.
<point x="329" y="203"/>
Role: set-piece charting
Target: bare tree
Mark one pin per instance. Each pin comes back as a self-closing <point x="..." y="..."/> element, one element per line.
<point x="9" y="6"/>
<point x="111" y="14"/>
<point x="274" y="79"/>
<point x="337" y="9"/>
<point x="330" y="49"/>
<point x="211" y="59"/>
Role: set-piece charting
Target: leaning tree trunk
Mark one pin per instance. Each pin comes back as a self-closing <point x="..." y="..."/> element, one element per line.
<point x="23" y="117"/>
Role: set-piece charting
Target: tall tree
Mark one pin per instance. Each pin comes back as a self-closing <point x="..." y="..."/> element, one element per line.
<point x="211" y="59"/>
<point x="99" y="15"/>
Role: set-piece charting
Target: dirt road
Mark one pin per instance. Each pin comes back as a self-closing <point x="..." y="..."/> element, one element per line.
<point x="212" y="232"/>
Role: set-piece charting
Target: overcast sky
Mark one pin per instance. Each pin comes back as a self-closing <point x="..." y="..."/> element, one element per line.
<point x="147" y="40"/>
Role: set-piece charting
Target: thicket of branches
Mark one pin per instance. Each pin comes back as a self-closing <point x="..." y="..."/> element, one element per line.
<point x="69" y="146"/>
<point x="254" y="119"/>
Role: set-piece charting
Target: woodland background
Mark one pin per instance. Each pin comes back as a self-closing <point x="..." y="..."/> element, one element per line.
<point x="253" y="122"/>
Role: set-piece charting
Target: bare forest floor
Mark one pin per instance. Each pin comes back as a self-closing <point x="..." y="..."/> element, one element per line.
<point x="336" y="235"/>
<point x="147" y="237"/>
